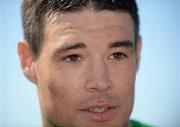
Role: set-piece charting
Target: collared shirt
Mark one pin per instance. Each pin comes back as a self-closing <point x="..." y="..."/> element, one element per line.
<point x="134" y="123"/>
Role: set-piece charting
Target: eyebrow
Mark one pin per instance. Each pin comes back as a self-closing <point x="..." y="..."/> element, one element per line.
<point x="125" y="43"/>
<point x="68" y="47"/>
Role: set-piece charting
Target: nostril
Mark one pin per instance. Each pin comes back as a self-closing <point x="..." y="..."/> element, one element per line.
<point x="98" y="86"/>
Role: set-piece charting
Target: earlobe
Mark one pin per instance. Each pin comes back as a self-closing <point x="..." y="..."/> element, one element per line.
<point x="27" y="61"/>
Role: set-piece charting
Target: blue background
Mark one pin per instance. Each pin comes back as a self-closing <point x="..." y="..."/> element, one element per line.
<point x="158" y="80"/>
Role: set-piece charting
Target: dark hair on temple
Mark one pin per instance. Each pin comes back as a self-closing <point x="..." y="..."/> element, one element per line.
<point x="35" y="11"/>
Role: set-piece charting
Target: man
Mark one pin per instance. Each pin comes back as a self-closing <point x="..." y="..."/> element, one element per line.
<point x="83" y="55"/>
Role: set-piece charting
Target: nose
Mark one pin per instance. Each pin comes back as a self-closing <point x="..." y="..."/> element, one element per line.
<point x="99" y="79"/>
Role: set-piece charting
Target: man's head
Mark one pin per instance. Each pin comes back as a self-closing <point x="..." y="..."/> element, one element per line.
<point x="83" y="55"/>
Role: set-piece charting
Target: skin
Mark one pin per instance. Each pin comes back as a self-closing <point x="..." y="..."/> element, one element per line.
<point x="93" y="72"/>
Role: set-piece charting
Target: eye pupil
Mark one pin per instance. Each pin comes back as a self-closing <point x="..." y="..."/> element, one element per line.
<point x="72" y="58"/>
<point x="118" y="56"/>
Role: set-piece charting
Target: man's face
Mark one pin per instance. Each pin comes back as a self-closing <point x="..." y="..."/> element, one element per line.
<point x="86" y="70"/>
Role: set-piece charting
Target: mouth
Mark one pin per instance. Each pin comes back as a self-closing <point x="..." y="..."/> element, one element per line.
<point x="99" y="113"/>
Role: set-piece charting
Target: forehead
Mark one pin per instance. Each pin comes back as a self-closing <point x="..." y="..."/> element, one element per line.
<point x="90" y="21"/>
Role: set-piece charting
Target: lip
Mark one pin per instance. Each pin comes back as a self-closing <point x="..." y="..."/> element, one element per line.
<point x="108" y="115"/>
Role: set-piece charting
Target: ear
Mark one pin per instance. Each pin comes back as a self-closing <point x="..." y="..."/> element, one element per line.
<point x="138" y="51"/>
<point x="27" y="61"/>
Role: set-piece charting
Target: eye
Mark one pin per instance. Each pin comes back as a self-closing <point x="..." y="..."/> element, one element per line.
<point x="72" y="58"/>
<point x="118" y="56"/>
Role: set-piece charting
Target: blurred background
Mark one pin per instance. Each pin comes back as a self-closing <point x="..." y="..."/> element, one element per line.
<point x="157" y="100"/>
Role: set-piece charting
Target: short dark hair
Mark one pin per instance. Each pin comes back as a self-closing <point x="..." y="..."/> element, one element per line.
<point x="34" y="12"/>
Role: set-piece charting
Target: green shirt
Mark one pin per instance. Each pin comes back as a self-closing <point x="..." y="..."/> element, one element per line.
<point x="133" y="123"/>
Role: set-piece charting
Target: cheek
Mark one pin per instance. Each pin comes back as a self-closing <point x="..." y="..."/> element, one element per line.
<point x="123" y="78"/>
<point x="60" y="91"/>
<point x="63" y="89"/>
<point x="61" y="84"/>
<point x="57" y="100"/>
<point x="54" y="92"/>
<point x="124" y="74"/>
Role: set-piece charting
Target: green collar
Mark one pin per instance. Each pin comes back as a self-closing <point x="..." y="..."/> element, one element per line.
<point x="134" y="123"/>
